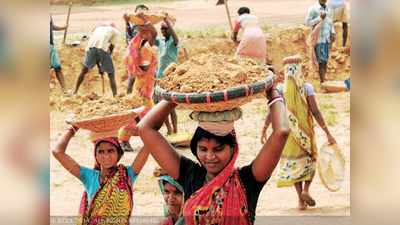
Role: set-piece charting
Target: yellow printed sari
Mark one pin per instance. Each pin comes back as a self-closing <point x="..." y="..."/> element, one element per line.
<point x="112" y="203"/>
<point x="299" y="155"/>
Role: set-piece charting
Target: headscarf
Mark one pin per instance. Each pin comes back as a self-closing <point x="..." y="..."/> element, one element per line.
<point x="218" y="123"/>
<point x="169" y="220"/>
<point x="112" y="140"/>
<point x="300" y="117"/>
<point x="221" y="128"/>
<point x="221" y="201"/>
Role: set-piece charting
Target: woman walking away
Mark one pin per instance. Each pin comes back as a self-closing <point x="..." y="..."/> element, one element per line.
<point x="298" y="162"/>
<point x="216" y="192"/>
<point x="108" y="187"/>
<point x="253" y="43"/>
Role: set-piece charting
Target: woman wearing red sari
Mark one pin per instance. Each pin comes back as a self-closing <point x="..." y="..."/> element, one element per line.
<point x="141" y="62"/>
<point x="215" y="191"/>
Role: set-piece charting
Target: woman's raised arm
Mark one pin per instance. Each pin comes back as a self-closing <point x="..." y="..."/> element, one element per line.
<point x="59" y="152"/>
<point x="267" y="159"/>
<point x="140" y="160"/>
<point x="161" y="150"/>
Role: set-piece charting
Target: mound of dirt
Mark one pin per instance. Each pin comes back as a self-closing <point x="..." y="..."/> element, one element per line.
<point x="290" y="42"/>
<point x="211" y="72"/>
<point x="280" y="44"/>
<point x="107" y="105"/>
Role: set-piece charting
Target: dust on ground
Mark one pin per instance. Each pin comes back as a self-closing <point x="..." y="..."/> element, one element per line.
<point x="66" y="190"/>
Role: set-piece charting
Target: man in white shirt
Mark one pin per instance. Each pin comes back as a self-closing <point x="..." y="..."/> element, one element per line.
<point x="319" y="13"/>
<point x="98" y="52"/>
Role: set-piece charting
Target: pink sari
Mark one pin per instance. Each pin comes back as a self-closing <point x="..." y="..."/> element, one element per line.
<point x="253" y="43"/>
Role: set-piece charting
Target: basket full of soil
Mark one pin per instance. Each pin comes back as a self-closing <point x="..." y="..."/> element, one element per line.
<point x="211" y="82"/>
<point x="107" y="113"/>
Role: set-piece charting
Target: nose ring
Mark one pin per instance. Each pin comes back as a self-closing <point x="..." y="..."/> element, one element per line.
<point x="213" y="156"/>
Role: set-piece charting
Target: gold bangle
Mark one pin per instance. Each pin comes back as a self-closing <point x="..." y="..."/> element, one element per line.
<point x="324" y="127"/>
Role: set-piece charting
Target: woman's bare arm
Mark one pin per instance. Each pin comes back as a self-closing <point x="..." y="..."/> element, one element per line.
<point x="265" y="128"/>
<point x="140" y="160"/>
<point x="59" y="153"/>
<point x="161" y="150"/>
<point x="312" y="103"/>
<point x="267" y="159"/>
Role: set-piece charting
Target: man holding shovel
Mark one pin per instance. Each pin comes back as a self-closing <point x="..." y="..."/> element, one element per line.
<point x="98" y="52"/>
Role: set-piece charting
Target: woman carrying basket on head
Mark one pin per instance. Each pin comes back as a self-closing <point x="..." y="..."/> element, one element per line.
<point x="141" y="62"/>
<point x="299" y="156"/>
<point x="108" y="187"/>
<point x="216" y="192"/>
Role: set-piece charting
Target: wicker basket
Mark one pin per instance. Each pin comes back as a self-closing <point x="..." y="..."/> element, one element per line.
<point x="104" y="124"/>
<point x="331" y="166"/>
<point x="154" y="18"/>
<point x="218" y="100"/>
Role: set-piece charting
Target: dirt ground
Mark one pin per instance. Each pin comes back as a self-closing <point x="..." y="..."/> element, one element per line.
<point x="287" y="38"/>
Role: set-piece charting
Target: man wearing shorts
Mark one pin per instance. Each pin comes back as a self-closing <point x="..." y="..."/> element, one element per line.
<point x="98" y="52"/>
<point x="339" y="14"/>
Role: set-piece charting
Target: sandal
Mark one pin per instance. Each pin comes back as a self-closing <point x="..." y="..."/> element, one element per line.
<point x="305" y="196"/>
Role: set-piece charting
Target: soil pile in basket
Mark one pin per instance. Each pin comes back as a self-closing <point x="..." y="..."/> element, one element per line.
<point x="107" y="105"/>
<point x="211" y="72"/>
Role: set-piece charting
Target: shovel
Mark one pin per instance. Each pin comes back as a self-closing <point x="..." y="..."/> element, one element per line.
<point x="65" y="32"/>
<point x="220" y="2"/>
